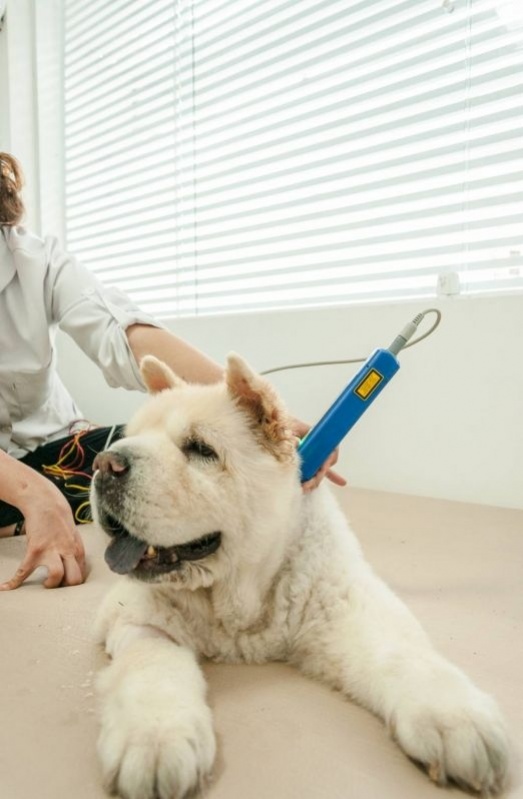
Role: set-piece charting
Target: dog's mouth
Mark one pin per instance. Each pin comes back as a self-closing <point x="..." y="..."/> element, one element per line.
<point x="128" y="554"/>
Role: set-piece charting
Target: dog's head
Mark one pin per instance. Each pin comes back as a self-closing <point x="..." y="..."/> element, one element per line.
<point x="207" y="477"/>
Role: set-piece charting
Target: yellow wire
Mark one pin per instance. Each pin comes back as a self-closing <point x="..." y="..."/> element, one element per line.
<point x="74" y="443"/>
<point x="57" y="470"/>
<point x="77" y="513"/>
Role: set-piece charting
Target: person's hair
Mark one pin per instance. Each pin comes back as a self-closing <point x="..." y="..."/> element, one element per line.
<point x="11" y="182"/>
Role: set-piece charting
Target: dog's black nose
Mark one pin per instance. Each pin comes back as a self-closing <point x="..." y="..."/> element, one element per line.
<point x="111" y="463"/>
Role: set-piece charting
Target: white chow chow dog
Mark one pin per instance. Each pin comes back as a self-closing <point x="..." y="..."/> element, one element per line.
<point x="228" y="559"/>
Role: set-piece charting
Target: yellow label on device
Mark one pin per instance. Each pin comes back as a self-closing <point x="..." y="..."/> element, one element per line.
<point x="369" y="383"/>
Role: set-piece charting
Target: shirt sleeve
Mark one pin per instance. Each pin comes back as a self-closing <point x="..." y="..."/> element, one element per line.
<point x="95" y="316"/>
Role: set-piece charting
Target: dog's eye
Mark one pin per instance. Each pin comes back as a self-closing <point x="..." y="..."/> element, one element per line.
<point x="195" y="447"/>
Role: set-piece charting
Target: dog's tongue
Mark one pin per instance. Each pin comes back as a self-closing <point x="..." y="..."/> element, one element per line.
<point x="124" y="553"/>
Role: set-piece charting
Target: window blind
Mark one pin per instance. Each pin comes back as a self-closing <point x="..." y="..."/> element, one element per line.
<point x="253" y="154"/>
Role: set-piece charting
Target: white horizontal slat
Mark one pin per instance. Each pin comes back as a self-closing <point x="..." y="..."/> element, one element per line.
<point x="216" y="178"/>
<point x="289" y="98"/>
<point x="352" y="64"/>
<point x="139" y="170"/>
<point x="435" y="88"/>
<point x="123" y="101"/>
<point x="292" y="184"/>
<point x="86" y="73"/>
<point x="271" y="38"/>
<point x="318" y="246"/>
<point x="136" y="211"/>
<point x="155" y="135"/>
<point x="122" y="73"/>
<point x="435" y="259"/>
<point x="239" y="155"/>
<point x="342" y="43"/>
<point x="490" y="255"/>
<point x="83" y="18"/>
<point x="287" y="46"/>
<point x="378" y="183"/>
<point x="117" y="29"/>
<point x="144" y="87"/>
<point x="363" y="222"/>
<point x="135" y="73"/>
<point x="403" y="287"/>
<point x="332" y="211"/>
<point x="424" y="117"/>
<point x="160" y="105"/>
<point x="152" y="288"/>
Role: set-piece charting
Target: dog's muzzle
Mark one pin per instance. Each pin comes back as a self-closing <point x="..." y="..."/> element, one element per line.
<point x="126" y="553"/>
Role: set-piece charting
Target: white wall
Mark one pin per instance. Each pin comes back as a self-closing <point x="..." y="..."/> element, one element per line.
<point x="449" y="425"/>
<point x="18" y="105"/>
<point x="4" y="88"/>
<point x="31" y="107"/>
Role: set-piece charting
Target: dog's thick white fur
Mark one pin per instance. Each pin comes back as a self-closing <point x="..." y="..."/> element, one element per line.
<point x="289" y="582"/>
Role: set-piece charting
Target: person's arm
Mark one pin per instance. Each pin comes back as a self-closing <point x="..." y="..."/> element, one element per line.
<point x="52" y="538"/>
<point x="185" y="361"/>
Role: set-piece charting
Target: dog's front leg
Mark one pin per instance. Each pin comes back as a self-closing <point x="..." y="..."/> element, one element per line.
<point x="365" y="642"/>
<point x="156" y="738"/>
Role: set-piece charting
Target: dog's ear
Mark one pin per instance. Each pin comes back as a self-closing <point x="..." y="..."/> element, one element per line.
<point x="265" y="409"/>
<point x="157" y="376"/>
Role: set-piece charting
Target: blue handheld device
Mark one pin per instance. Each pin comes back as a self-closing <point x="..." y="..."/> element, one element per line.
<point x="352" y="403"/>
<point x="343" y="414"/>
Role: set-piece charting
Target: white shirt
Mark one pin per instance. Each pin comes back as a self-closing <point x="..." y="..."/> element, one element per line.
<point x="41" y="289"/>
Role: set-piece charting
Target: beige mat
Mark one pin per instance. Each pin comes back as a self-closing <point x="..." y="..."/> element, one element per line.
<point x="459" y="567"/>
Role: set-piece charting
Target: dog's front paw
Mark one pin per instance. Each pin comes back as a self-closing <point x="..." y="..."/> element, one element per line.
<point x="162" y="754"/>
<point x="455" y="731"/>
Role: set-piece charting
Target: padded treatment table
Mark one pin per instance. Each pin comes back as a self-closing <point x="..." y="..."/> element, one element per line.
<point x="459" y="567"/>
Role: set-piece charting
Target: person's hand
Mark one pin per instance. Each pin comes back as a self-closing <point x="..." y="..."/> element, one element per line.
<point x="52" y="541"/>
<point x="300" y="429"/>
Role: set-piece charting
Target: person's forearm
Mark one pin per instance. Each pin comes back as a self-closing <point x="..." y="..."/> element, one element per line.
<point x="19" y="483"/>
<point x="186" y="361"/>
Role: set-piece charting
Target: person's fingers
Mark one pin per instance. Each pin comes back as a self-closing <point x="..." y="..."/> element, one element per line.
<point x="309" y="486"/>
<point x="329" y="472"/>
<point x="325" y="471"/>
<point x="84" y="571"/>
<point x="336" y="478"/>
<point x="68" y="572"/>
<point x="299" y="428"/>
<point x="73" y="574"/>
<point x="79" y="554"/>
<point x="55" y="569"/>
<point x="314" y="482"/>
<point x="26" y="568"/>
